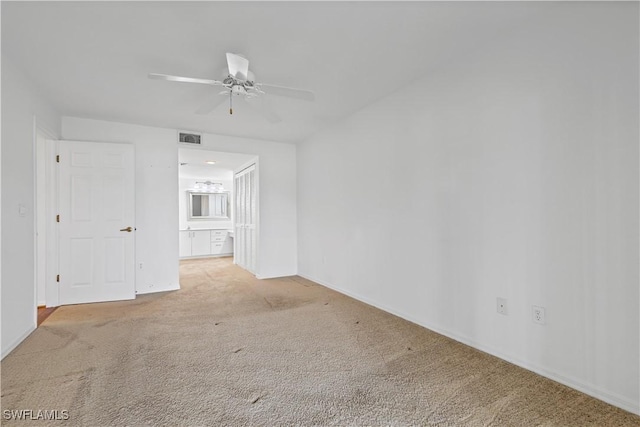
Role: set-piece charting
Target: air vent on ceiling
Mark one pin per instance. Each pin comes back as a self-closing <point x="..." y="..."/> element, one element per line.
<point x="189" y="138"/>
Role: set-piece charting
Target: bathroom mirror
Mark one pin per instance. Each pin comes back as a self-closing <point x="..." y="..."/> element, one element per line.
<point x="208" y="205"/>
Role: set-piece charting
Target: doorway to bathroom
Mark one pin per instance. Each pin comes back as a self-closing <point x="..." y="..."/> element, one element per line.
<point x="218" y="206"/>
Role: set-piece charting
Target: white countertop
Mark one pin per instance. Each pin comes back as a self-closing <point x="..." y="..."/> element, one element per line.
<point x="201" y="229"/>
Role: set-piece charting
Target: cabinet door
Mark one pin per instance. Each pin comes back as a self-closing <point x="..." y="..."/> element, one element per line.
<point x="185" y="243"/>
<point x="201" y="242"/>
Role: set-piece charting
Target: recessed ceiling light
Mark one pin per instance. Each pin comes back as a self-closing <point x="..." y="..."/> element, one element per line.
<point x="210" y="162"/>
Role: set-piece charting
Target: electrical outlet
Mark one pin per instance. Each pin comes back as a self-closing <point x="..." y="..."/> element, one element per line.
<point x="501" y="306"/>
<point x="538" y="314"/>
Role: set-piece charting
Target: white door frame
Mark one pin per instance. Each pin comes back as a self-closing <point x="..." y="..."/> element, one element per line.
<point x="50" y="238"/>
<point x="51" y="290"/>
<point x="254" y="161"/>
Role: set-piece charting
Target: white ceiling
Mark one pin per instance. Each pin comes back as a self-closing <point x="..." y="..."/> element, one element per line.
<point x="91" y="59"/>
<point x="197" y="168"/>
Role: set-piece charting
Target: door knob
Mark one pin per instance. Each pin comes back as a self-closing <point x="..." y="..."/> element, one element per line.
<point x="128" y="229"/>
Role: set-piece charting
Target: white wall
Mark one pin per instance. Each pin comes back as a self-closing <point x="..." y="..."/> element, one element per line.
<point x="277" y="222"/>
<point x="157" y="201"/>
<point x="21" y="103"/>
<point x="512" y="173"/>
<point x="183" y="202"/>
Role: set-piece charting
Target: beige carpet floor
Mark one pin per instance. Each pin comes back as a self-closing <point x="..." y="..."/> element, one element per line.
<point x="231" y="350"/>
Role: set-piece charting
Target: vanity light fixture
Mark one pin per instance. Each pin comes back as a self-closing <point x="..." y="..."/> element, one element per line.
<point x="208" y="187"/>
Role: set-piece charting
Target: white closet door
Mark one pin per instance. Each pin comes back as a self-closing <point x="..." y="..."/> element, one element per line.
<point x="238" y="239"/>
<point x="246" y="216"/>
<point x="250" y="221"/>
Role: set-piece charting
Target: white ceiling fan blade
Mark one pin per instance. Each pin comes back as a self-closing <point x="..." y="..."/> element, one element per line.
<point x="184" y="79"/>
<point x="262" y="106"/>
<point x="238" y="66"/>
<point x="290" y="92"/>
<point x="211" y="103"/>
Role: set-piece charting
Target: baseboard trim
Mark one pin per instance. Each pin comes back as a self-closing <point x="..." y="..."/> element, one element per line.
<point x="586" y="388"/>
<point x="16" y="343"/>
<point x="226" y="254"/>
<point x="275" y="276"/>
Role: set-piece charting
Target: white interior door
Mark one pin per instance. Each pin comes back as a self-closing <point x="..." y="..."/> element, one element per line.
<point x="96" y="226"/>
<point x="245" y="250"/>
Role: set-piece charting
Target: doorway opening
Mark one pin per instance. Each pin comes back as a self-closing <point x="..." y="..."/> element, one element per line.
<point x="218" y="206"/>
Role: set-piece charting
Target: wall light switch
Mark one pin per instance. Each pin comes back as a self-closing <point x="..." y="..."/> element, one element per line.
<point x="22" y="210"/>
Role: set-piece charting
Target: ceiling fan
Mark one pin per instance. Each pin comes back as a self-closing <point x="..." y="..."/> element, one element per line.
<point x="241" y="82"/>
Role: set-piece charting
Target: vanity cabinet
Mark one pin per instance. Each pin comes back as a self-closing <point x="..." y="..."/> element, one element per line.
<point x="195" y="243"/>
<point x="221" y="243"/>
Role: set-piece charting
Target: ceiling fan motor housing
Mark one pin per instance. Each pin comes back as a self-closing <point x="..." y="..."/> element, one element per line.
<point x="238" y="90"/>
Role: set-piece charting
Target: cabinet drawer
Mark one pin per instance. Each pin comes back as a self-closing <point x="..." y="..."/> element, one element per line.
<point x="218" y="235"/>
<point x="216" y="247"/>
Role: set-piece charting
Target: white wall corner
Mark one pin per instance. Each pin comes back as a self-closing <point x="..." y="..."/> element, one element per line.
<point x="6" y="350"/>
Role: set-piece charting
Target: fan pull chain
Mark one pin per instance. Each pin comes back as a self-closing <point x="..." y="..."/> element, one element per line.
<point x="231" y="102"/>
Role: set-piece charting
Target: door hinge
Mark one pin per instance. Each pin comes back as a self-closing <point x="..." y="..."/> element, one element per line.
<point x="58" y="278"/>
<point x="57" y="158"/>
<point x="57" y="218"/>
